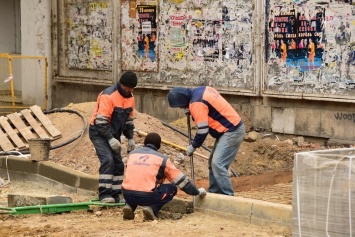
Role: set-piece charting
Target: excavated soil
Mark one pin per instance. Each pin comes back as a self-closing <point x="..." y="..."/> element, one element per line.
<point x="263" y="168"/>
<point x="259" y="164"/>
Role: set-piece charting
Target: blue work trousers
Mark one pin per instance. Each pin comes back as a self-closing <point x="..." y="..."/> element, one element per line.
<point x="156" y="200"/>
<point x="223" y="153"/>
<point x="111" y="166"/>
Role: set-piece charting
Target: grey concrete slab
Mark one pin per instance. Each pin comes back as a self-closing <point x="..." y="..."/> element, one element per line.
<point x="31" y="199"/>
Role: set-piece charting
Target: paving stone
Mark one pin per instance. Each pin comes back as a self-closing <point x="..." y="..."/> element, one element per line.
<point x="22" y="199"/>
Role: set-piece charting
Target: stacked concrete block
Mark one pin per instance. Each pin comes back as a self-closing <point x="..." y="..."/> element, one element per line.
<point x="323" y="202"/>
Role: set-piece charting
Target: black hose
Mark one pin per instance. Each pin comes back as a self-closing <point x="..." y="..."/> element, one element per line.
<point x="74" y="138"/>
<point x="182" y="133"/>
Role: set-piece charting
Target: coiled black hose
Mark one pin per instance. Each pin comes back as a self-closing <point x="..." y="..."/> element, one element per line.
<point x="68" y="111"/>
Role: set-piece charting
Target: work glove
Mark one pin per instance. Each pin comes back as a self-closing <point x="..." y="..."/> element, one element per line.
<point x="179" y="158"/>
<point x="190" y="150"/>
<point x="131" y="145"/>
<point x="202" y="192"/>
<point x="115" y="145"/>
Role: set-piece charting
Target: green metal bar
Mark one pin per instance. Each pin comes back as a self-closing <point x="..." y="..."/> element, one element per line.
<point x="55" y="208"/>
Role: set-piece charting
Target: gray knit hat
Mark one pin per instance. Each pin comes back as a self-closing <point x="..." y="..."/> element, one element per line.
<point x="179" y="97"/>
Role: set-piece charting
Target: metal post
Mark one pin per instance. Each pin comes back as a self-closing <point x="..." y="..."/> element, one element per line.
<point x="191" y="157"/>
<point x="11" y="82"/>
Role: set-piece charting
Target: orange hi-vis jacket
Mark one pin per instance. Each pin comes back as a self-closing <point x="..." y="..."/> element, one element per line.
<point x="113" y="114"/>
<point x="212" y="114"/>
<point x="147" y="169"/>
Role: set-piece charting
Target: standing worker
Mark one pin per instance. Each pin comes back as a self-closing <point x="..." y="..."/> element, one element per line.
<point x="213" y="115"/>
<point x="143" y="184"/>
<point x="112" y="117"/>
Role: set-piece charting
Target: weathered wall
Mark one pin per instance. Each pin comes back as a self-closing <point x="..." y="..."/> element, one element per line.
<point x="310" y="49"/>
<point x="198" y="43"/>
<point x="234" y="46"/>
<point x="35" y="41"/>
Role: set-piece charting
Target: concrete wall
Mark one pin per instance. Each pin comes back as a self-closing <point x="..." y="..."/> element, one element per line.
<point x="36" y="41"/>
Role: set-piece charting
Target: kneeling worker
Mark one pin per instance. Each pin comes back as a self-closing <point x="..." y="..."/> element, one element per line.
<point x="143" y="184"/>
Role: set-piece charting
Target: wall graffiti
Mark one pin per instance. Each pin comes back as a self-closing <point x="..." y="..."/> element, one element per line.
<point x="89" y="31"/>
<point x="311" y="48"/>
<point x="345" y="116"/>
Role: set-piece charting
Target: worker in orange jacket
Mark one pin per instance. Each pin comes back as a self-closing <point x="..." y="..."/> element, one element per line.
<point x="213" y="115"/>
<point x="143" y="184"/>
<point x="112" y="117"/>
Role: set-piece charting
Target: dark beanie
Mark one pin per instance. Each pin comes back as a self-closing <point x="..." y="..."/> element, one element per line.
<point x="179" y="97"/>
<point x="129" y="79"/>
<point x="154" y="139"/>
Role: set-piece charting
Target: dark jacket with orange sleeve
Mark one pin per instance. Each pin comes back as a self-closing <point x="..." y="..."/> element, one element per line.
<point x="113" y="114"/>
<point x="147" y="169"/>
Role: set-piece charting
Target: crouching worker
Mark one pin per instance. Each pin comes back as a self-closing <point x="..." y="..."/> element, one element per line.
<point x="143" y="184"/>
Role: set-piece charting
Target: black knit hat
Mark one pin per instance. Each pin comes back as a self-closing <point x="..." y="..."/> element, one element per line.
<point x="154" y="139"/>
<point x="129" y="79"/>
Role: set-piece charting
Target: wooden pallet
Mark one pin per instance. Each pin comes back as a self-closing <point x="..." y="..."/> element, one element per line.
<point x="17" y="128"/>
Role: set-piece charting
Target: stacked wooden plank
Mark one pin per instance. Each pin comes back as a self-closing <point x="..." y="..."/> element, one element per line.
<point x="17" y="128"/>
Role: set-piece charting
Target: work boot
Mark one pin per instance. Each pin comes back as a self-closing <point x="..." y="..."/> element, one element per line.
<point x="148" y="214"/>
<point x="117" y="200"/>
<point x="120" y="199"/>
<point x="108" y="200"/>
<point x="128" y="213"/>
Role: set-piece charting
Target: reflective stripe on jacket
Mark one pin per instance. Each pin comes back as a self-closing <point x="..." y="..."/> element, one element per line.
<point x="212" y="114"/>
<point x="142" y="173"/>
<point x="113" y="114"/>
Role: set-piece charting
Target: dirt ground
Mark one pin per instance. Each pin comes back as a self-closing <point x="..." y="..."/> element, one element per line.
<point x="109" y="223"/>
<point x="263" y="168"/>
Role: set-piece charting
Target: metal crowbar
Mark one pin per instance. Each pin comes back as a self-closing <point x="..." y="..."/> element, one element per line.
<point x="187" y="112"/>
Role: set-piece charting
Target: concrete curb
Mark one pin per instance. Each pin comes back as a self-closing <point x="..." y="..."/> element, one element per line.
<point x="255" y="211"/>
<point x="75" y="181"/>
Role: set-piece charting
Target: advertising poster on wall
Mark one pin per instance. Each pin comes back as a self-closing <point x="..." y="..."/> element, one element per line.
<point x="89" y="44"/>
<point x="176" y="41"/>
<point x="205" y="39"/>
<point x="196" y="45"/>
<point x="147" y="33"/>
<point x="311" y="48"/>
<point x="297" y="37"/>
<point x="139" y="36"/>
